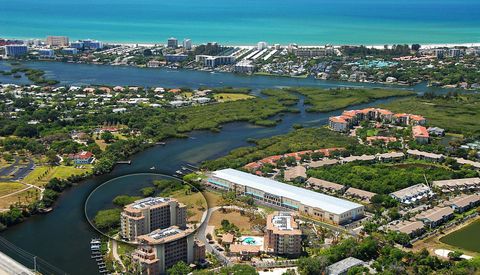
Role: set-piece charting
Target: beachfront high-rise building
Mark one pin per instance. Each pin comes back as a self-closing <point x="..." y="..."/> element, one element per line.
<point x="454" y="52"/>
<point x="162" y="248"/>
<point x="187" y="44"/>
<point x="57" y="41"/>
<point x="262" y="45"/>
<point x="172" y="42"/>
<point x="15" y="50"/>
<point x="282" y="235"/>
<point x="149" y="214"/>
<point x="49" y="53"/>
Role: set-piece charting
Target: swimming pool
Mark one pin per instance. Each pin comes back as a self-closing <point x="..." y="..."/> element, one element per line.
<point x="249" y="240"/>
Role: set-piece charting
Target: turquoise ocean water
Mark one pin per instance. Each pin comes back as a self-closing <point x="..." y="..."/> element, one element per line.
<point x="241" y="22"/>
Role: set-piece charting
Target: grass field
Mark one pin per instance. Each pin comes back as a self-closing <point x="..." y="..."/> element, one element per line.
<point x="24" y="197"/>
<point x="465" y="238"/>
<point x="213" y="198"/>
<point x="223" y="97"/>
<point x="10" y="187"/>
<point x="41" y="175"/>
<point x="459" y="115"/>
<point x="242" y="222"/>
<point x="195" y="202"/>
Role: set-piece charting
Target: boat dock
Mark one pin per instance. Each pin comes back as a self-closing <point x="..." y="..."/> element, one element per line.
<point x="95" y="247"/>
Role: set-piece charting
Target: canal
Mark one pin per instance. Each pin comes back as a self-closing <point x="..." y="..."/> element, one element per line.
<point x="62" y="237"/>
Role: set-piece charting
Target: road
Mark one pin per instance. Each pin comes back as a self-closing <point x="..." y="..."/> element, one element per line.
<point x="201" y="235"/>
<point x="10" y="266"/>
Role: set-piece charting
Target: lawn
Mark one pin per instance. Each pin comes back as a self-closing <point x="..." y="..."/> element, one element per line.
<point x="372" y="132"/>
<point x="242" y="222"/>
<point x="213" y="198"/>
<point x="465" y="238"/>
<point x="24" y="197"/>
<point x="195" y="202"/>
<point x="324" y="100"/>
<point x="459" y="114"/>
<point x="41" y="175"/>
<point x="223" y="97"/>
<point x="10" y="187"/>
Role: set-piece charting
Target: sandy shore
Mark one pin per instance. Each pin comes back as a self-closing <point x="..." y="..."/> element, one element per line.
<point x="424" y="46"/>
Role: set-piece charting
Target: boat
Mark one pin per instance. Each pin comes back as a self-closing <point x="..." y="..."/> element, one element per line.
<point x="152" y="168"/>
<point x="179" y="172"/>
<point x="95" y="241"/>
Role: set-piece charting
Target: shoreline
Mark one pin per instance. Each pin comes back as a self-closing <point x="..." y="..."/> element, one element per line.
<point x="425" y="45"/>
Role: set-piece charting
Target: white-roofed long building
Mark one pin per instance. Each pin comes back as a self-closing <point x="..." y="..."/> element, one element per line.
<point x="285" y="196"/>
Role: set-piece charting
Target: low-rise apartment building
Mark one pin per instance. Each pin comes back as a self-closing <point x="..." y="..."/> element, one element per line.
<point x="463" y="203"/>
<point x="420" y="134"/>
<point x="282" y="234"/>
<point x="412" y="194"/>
<point x="411" y="228"/>
<point x="149" y="214"/>
<point x="457" y="184"/>
<point x="435" y="216"/>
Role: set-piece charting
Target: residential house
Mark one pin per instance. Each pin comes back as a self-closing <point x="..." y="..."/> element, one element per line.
<point x="342" y="267"/>
<point x="83" y="157"/>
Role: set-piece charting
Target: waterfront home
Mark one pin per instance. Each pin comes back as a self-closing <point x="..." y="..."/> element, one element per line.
<point x="339" y="123"/>
<point x="417" y="120"/>
<point x="83" y="157"/>
<point x="436" y="131"/>
<point x="420" y="134"/>
<point x="401" y="119"/>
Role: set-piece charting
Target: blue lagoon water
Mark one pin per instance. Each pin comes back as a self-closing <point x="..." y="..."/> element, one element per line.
<point x="241" y="22"/>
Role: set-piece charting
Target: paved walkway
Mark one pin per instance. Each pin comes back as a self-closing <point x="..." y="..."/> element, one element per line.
<point x="10" y="266"/>
<point x="115" y="253"/>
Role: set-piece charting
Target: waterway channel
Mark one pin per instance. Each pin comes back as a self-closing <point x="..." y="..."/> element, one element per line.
<point x="62" y="237"/>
